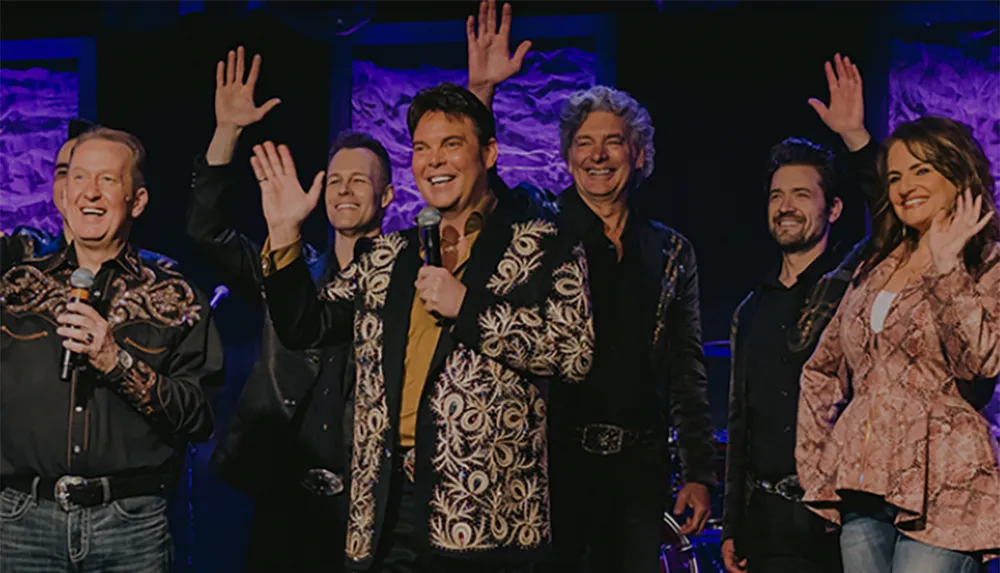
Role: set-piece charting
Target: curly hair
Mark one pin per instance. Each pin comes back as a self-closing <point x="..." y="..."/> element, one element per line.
<point x="638" y="124"/>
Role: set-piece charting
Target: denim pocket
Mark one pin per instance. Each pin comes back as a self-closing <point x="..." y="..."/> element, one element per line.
<point x="140" y="507"/>
<point x="13" y="504"/>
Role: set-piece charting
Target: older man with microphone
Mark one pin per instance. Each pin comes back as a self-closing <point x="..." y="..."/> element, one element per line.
<point x="91" y="451"/>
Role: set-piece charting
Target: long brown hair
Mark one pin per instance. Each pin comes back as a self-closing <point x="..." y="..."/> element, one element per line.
<point x="954" y="152"/>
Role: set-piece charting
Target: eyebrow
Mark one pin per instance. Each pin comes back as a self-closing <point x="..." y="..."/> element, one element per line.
<point x="351" y="174"/>
<point x="911" y="168"/>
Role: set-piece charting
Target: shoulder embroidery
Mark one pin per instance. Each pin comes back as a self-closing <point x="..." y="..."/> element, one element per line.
<point x="522" y="257"/>
<point x="668" y="285"/>
<point x="375" y="269"/>
<point x="26" y="289"/>
<point x="170" y="302"/>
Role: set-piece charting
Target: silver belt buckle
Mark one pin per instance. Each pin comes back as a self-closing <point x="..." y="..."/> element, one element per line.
<point x="602" y="439"/>
<point x="322" y="482"/>
<point x="61" y="491"/>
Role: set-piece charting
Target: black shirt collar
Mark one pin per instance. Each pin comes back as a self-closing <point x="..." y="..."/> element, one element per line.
<point x="127" y="260"/>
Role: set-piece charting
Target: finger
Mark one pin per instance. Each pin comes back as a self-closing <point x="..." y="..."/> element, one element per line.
<point x="482" y="19"/>
<point x="271" y="104"/>
<point x="702" y="518"/>
<point x="491" y="18"/>
<point x="743" y="564"/>
<point x="220" y="74"/>
<point x="831" y="79"/>
<point x="273" y="158"/>
<point x="75" y="334"/>
<point x="72" y="319"/>
<point x="83" y="309"/>
<point x="265" y="162"/>
<point x="838" y="66"/>
<point x="254" y="72"/>
<point x="522" y="50"/>
<point x="688" y="527"/>
<point x="504" y="31"/>
<point x="231" y="67"/>
<point x="74" y="346"/>
<point x="846" y="76"/>
<point x="820" y="107"/>
<point x="239" y="64"/>
<point x="258" y="169"/>
<point x="857" y="76"/>
<point x="681" y="503"/>
<point x="287" y="163"/>
<point x="470" y="31"/>
<point x="316" y="189"/>
<point x="981" y="224"/>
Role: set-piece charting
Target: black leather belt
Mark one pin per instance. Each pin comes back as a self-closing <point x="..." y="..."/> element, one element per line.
<point x="787" y="487"/>
<point x="608" y="439"/>
<point x="72" y="492"/>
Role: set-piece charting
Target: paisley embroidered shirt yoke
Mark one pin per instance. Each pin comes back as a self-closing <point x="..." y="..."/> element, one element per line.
<point x="93" y="426"/>
<point x="481" y="447"/>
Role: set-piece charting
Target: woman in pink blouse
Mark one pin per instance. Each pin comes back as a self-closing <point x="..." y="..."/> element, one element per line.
<point x="886" y="446"/>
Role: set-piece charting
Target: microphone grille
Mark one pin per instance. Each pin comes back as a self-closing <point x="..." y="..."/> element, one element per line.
<point x="81" y="278"/>
<point x="428" y="217"/>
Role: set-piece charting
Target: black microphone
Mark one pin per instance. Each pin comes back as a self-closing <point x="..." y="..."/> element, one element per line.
<point x="81" y="280"/>
<point x="428" y="220"/>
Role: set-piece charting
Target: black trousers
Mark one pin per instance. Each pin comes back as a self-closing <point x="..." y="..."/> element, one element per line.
<point x="402" y="549"/>
<point x="607" y="511"/>
<point x="295" y="531"/>
<point x="782" y="536"/>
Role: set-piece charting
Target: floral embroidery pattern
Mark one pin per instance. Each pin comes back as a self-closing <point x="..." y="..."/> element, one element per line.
<point x="668" y="285"/>
<point x="170" y="302"/>
<point x="371" y="419"/>
<point x="137" y="386"/>
<point x="25" y="289"/>
<point x="491" y="456"/>
<point x="522" y="257"/>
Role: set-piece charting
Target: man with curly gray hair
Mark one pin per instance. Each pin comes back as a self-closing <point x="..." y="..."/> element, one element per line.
<point x="610" y="479"/>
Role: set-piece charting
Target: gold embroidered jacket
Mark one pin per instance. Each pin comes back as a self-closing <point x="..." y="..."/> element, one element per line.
<point x="93" y="426"/>
<point x="481" y="448"/>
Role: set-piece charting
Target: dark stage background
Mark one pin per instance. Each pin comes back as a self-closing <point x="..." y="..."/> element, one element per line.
<point x="723" y="82"/>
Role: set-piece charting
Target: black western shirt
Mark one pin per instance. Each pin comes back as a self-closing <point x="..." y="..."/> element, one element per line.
<point x="94" y="425"/>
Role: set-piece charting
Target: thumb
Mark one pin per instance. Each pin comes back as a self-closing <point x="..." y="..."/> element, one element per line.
<point x="519" y="54"/>
<point x="271" y="104"/>
<point x="316" y="189"/>
<point x="820" y="107"/>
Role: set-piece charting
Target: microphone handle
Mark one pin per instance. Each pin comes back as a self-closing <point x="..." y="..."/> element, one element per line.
<point x="70" y="358"/>
<point x="432" y="245"/>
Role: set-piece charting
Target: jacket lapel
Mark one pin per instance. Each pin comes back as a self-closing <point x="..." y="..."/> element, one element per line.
<point x="653" y="257"/>
<point x="396" y="321"/>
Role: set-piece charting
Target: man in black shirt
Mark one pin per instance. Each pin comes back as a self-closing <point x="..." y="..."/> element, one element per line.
<point x="87" y="464"/>
<point x="286" y="445"/>
<point x="775" y="329"/>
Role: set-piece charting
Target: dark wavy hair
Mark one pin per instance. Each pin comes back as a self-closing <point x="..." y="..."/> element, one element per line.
<point x="951" y="148"/>
<point x="349" y="139"/>
<point x="801" y="151"/>
<point x="454" y="101"/>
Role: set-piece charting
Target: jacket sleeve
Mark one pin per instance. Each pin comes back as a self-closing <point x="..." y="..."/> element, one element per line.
<point x="735" y="497"/>
<point x="173" y="398"/>
<point x="687" y="377"/>
<point x="233" y="256"/>
<point x="304" y="317"/>
<point x="553" y="336"/>
<point x="968" y="317"/>
<point x="823" y="395"/>
<point x="862" y="171"/>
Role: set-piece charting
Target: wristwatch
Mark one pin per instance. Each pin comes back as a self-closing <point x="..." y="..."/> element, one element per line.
<point x="124" y="362"/>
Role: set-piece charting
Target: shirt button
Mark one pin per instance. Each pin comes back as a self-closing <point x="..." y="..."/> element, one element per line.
<point x="76" y="449"/>
<point x="78" y="409"/>
<point x="97" y="294"/>
<point x="326" y="391"/>
<point x="325" y="426"/>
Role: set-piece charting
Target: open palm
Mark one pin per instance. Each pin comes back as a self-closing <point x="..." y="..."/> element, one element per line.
<point x="234" y="106"/>
<point x="846" y="112"/>
<point x="490" y="62"/>
<point x="948" y="235"/>
<point x="284" y="202"/>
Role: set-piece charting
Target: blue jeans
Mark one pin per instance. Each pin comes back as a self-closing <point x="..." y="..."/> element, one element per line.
<point x="870" y="543"/>
<point x="125" y="536"/>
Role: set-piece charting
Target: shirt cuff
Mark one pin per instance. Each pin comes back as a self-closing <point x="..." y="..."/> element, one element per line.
<point x="273" y="260"/>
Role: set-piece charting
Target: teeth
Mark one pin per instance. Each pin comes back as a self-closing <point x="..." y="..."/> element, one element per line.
<point x="89" y="211"/>
<point x="599" y="171"/>
<point x="441" y="179"/>
<point x="914" y="202"/>
<point x="346" y="206"/>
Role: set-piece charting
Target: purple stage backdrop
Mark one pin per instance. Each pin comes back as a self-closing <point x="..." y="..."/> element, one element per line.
<point x="961" y="81"/>
<point x="527" y="110"/>
<point x="37" y="107"/>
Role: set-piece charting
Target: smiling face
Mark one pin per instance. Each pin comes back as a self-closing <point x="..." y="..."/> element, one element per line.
<point x="356" y="191"/>
<point x="449" y="164"/>
<point x="797" y="214"/>
<point x="917" y="191"/>
<point x="100" y="202"/>
<point x="601" y="160"/>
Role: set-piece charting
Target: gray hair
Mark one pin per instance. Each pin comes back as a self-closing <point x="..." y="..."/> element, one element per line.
<point x="638" y="124"/>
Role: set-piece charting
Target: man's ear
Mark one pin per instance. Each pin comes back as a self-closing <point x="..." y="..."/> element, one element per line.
<point x="139" y="202"/>
<point x="490" y="153"/>
<point x="388" y="194"/>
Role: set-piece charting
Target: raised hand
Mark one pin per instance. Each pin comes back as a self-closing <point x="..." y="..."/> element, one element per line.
<point x="234" y="106"/>
<point x="490" y="62"/>
<point x="949" y="234"/>
<point x="284" y="202"/>
<point x="846" y="114"/>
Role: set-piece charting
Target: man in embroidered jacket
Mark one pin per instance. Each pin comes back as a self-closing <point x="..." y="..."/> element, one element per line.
<point x="449" y="468"/>
<point x="87" y="464"/>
